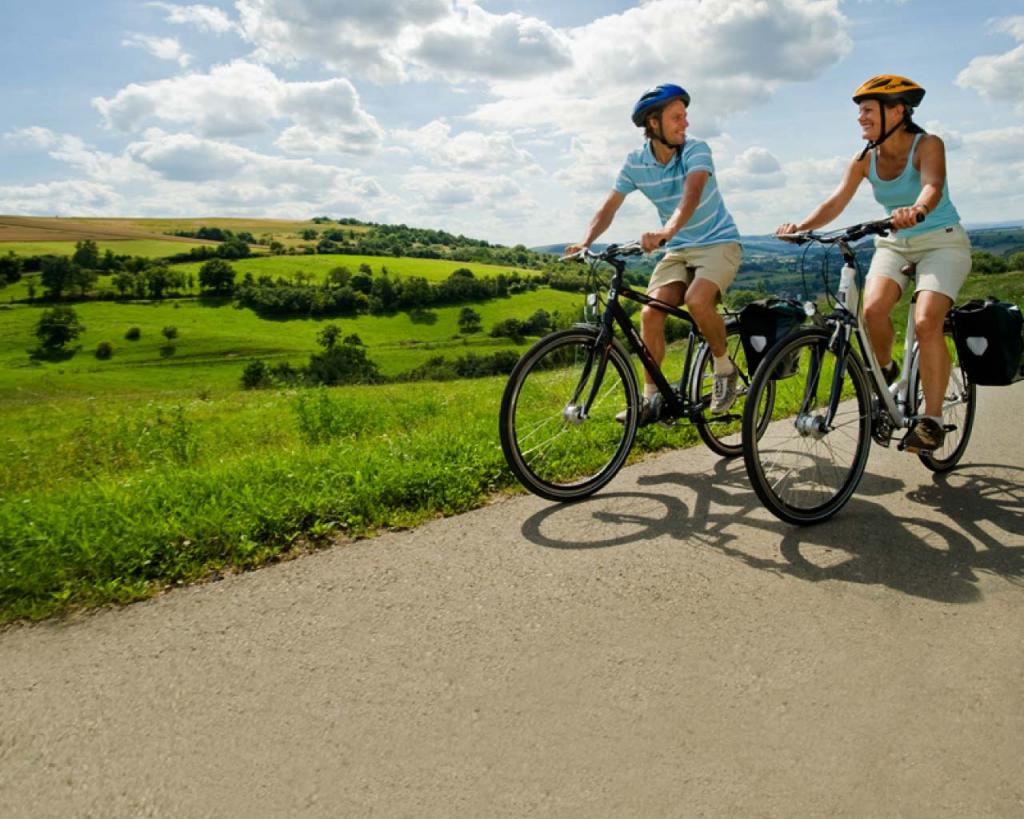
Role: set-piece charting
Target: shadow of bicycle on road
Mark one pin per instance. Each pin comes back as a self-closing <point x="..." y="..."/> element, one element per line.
<point x="933" y="556"/>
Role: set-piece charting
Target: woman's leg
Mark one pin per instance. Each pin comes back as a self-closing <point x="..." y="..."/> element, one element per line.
<point x="880" y="295"/>
<point x="929" y="318"/>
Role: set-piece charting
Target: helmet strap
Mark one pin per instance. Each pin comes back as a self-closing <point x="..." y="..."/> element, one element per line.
<point x="874" y="143"/>
<point x="657" y="135"/>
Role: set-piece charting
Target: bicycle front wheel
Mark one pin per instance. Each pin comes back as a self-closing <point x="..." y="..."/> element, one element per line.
<point x="958" y="405"/>
<point x="555" y="446"/>
<point x="723" y="434"/>
<point x="803" y="469"/>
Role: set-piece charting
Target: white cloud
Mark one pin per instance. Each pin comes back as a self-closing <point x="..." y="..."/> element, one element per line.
<point x="163" y="48"/>
<point x="754" y="169"/>
<point x="71" y="197"/>
<point x="730" y="56"/>
<point x="358" y="36"/>
<point x="1000" y="77"/>
<point x="473" y="150"/>
<point x="206" y="18"/>
<point x="182" y="174"/>
<point x="396" y="40"/>
<point x="243" y="98"/>
<point x="477" y="45"/>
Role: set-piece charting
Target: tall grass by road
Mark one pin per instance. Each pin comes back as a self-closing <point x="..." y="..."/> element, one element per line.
<point x="137" y="500"/>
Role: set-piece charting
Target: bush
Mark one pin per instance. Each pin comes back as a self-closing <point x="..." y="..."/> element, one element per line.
<point x="169" y="333"/>
<point x="133" y="334"/>
<point x="104" y="350"/>
<point x="256" y="375"/>
<point x="58" y="326"/>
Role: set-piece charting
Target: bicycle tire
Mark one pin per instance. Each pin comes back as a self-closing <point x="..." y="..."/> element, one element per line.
<point x="723" y="434"/>
<point x="550" y="449"/>
<point x="802" y="473"/>
<point x="958" y="410"/>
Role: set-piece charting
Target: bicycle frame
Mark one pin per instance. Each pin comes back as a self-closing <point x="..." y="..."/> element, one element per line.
<point x="677" y="403"/>
<point x="900" y="406"/>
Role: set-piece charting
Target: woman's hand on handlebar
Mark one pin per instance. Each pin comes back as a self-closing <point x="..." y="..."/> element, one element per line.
<point x="906" y="217"/>
<point x="785" y="229"/>
<point x="653" y="240"/>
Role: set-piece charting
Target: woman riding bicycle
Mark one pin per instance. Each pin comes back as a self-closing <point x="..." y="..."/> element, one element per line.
<point x="907" y="171"/>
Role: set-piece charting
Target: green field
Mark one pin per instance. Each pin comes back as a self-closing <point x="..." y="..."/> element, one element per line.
<point x="149" y="248"/>
<point x="215" y="341"/>
<point x="128" y="476"/>
<point x="317" y="266"/>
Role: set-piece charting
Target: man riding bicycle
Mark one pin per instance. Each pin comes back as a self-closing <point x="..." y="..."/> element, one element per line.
<point x="703" y="252"/>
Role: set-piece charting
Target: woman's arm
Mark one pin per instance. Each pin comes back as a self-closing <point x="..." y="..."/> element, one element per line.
<point x="931" y="161"/>
<point x="835" y="204"/>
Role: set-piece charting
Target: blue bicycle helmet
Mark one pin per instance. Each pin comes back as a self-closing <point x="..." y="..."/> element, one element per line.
<point x="657" y="97"/>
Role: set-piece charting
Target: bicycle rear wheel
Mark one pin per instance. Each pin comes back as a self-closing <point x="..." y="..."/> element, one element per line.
<point x="552" y="448"/>
<point x="723" y="433"/>
<point x="958" y="408"/>
<point x="803" y="471"/>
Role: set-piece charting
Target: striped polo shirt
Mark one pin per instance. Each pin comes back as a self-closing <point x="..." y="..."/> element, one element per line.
<point x="711" y="223"/>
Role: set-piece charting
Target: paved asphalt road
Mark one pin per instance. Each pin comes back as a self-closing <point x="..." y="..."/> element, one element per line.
<point x="666" y="648"/>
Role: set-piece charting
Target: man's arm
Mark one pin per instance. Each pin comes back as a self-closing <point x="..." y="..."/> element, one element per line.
<point x="693" y="189"/>
<point x="601" y="222"/>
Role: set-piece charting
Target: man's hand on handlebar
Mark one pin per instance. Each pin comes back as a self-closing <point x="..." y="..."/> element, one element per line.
<point x="653" y="240"/>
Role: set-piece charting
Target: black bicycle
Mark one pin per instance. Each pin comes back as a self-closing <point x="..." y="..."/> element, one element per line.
<point x="836" y="400"/>
<point x="570" y="409"/>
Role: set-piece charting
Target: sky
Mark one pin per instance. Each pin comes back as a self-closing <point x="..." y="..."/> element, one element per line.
<point x="504" y="120"/>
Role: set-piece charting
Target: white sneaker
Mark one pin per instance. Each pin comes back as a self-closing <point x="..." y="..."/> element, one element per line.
<point x="723" y="391"/>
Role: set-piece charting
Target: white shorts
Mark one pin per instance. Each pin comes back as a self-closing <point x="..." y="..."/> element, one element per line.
<point x="718" y="263"/>
<point x="942" y="256"/>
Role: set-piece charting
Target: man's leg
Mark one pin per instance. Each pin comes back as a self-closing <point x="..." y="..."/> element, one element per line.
<point x="652" y="327"/>
<point x="702" y="302"/>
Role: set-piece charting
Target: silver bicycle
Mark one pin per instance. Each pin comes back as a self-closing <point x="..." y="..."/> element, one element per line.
<point x="833" y="397"/>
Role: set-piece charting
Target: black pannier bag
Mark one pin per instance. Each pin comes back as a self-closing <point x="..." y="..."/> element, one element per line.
<point x="989" y="338"/>
<point x="765" y="322"/>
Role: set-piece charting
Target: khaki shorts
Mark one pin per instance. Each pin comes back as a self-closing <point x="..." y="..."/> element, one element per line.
<point x="718" y="263"/>
<point x="942" y="256"/>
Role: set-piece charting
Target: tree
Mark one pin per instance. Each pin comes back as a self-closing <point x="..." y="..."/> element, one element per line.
<point x="83" y="278"/>
<point x="56" y="274"/>
<point x="87" y="254"/>
<point x="308" y="234"/>
<point x="10" y="268"/>
<point x="233" y="248"/>
<point x="217" y="276"/>
<point x="328" y="336"/>
<point x="58" y="326"/>
<point x="170" y="333"/>
<point x="469" y="321"/>
<point x="1016" y="261"/>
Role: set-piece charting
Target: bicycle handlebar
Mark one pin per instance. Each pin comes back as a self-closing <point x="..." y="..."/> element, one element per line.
<point x="882" y="227"/>
<point x="611" y="252"/>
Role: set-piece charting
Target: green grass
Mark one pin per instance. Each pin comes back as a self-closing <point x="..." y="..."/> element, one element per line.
<point x="150" y="248"/>
<point x="317" y="266"/>
<point x="215" y="341"/>
<point x="125" y="477"/>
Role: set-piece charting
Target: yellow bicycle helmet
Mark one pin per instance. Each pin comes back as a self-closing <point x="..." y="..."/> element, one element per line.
<point x="890" y="89"/>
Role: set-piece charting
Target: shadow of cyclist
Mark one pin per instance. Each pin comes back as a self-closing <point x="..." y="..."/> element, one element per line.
<point x="987" y="502"/>
<point x="866" y="544"/>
